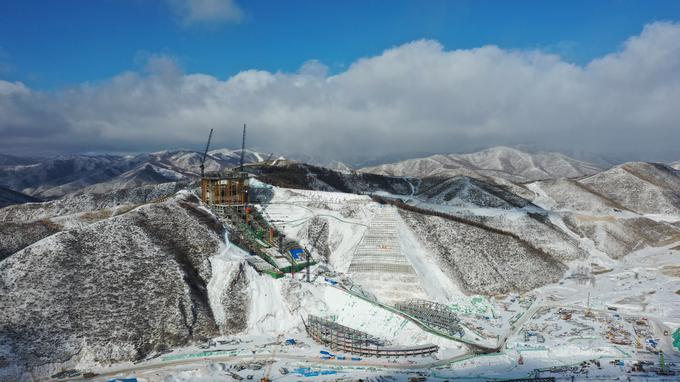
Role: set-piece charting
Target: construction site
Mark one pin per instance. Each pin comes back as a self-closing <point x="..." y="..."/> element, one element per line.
<point x="434" y="314"/>
<point x="382" y="276"/>
<point x="352" y="341"/>
<point x="228" y="195"/>
<point x="231" y="196"/>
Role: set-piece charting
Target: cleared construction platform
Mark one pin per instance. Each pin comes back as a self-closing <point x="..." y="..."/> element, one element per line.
<point x="342" y="338"/>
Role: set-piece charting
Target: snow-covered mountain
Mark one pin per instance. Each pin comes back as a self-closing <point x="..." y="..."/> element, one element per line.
<point x="233" y="157"/>
<point x="651" y="188"/>
<point x="470" y="191"/>
<point x="34" y="179"/>
<point x="124" y="266"/>
<point x="497" y="162"/>
<point x="117" y="289"/>
<point x="621" y="209"/>
<point x="304" y="176"/>
<point x="676" y="165"/>
<point x="24" y="224"/>
<point x="11" y="160"/>
<point x="9" y="197"/>
<point x="54" y="177"/>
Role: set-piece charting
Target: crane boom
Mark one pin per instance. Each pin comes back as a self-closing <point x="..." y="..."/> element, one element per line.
<point x="205" y="154"/>
<point x="314" y="246"/>
<point x="243" y="146"/>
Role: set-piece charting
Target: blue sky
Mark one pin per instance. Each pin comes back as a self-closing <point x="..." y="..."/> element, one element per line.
<point x="341" y="79"/>
<point x="54" y="44"/>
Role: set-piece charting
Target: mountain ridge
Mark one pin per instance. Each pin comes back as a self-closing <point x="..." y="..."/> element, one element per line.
<point x="496" y="162"/>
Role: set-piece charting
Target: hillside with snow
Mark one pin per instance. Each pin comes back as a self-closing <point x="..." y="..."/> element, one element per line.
<point x="9" y="197"/>
<point x="497" y="162"/>
<point x="650" y="188"/>
<point x="114" y="290"/>
<point x="148" y="268"/>
<point x="68" y="174"/>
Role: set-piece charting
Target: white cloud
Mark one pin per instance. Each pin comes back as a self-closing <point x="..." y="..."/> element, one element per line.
<point x="9" y="88"/>
<point x="414" y="97"/>
<point x="211" y="12"/>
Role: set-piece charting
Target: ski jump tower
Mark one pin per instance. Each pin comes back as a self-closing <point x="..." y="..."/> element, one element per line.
<point x="225" y="190"/>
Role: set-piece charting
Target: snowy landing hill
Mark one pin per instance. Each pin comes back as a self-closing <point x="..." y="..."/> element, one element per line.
<point x="497" y="162"/>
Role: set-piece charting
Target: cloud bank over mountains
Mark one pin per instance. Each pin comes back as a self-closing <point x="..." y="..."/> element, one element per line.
<point x="414" y="97"/>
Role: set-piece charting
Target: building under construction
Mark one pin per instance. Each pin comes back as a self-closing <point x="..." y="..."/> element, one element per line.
<point x="228" y="194"/>
<point x="228" y="190"/>
<point x="433" y="314"/>
<point x="348" y="340"/>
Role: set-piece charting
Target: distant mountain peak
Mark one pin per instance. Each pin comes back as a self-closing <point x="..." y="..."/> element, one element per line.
<point x="496" y="162"/>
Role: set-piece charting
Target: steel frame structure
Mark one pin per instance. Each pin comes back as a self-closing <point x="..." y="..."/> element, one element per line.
<point x="433" y="314"/>
<point x="342" y="338"/>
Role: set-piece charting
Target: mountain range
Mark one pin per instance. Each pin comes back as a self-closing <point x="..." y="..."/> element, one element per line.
<point x="65" y="174"/>
<point x="497" y="162"/>
<point x="144" y="262"/>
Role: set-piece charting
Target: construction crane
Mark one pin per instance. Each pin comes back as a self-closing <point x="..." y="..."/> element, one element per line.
<point x="243" y="146"/>
<point x="309" y="265"/>
<point x="205" y="154"/>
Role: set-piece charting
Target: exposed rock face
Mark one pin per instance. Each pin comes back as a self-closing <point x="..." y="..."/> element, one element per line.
<point x="317" y="235"/>
<point x="228" y="293"/>
<point x="481" y="260"/>
<point x="110" y="291"/>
